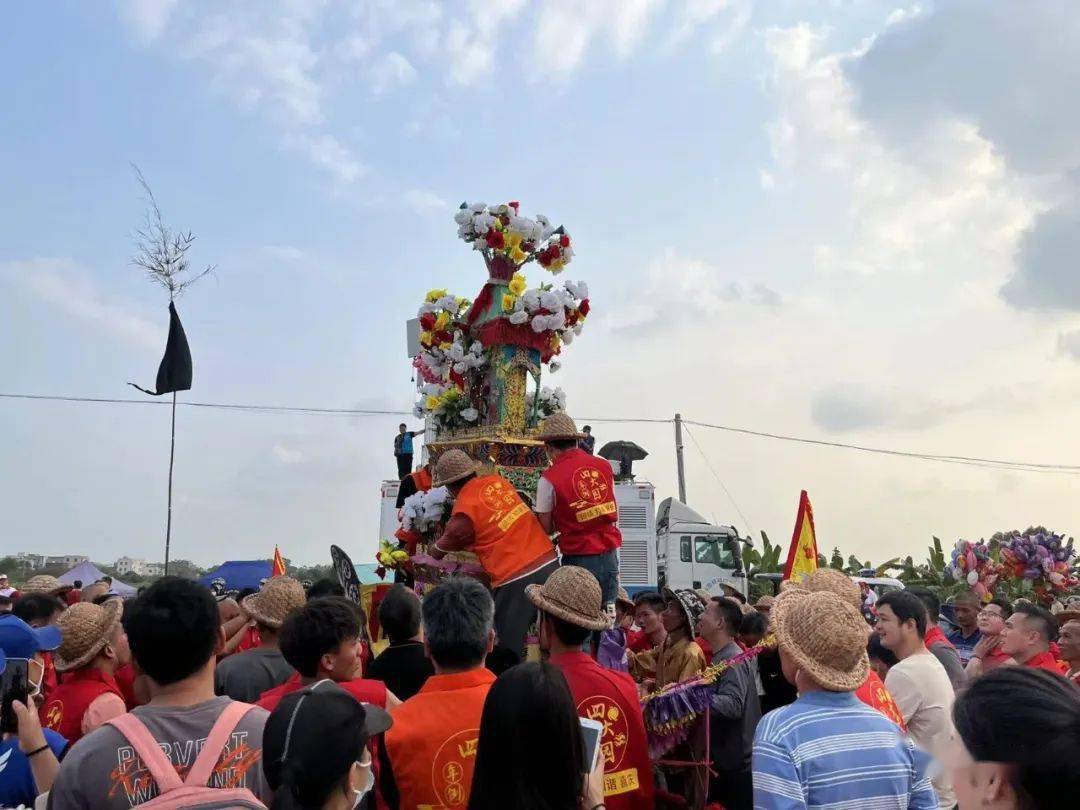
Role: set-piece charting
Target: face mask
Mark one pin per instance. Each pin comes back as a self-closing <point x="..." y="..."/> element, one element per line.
<point x="369" y="783"/>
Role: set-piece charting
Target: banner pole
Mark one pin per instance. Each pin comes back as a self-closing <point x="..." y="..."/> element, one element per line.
<point x="172" y="454"/>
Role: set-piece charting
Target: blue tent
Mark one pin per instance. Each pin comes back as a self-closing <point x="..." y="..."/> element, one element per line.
<point x="239" y="574"/>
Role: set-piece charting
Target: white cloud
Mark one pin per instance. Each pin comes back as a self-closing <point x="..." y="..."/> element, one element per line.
<point x="287" y="455"/>
<point x="327" y="152"/>
<point x="1068" y="344"/>
<point x="66" y="286"/>
<point x="424" y="201"/>
<point x="286" y="253"/>
<point x="391" y="72"/>
<point x="147" y="19"/>
<point x="565" y="28"/>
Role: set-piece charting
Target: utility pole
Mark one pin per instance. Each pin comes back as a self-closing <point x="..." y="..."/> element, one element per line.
<point x="679" y="457"/>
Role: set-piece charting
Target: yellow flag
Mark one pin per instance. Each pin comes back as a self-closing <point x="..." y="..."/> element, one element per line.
<point x="802" y="554"/>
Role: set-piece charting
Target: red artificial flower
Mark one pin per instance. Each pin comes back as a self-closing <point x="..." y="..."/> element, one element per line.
<point x="564" y="241"/>
<point x="427" y="321"/>
<point x="543" y="258"/>
<point x="583" y="308"/>
<point x="515" y="205"/>
<point x="494" y="239"/>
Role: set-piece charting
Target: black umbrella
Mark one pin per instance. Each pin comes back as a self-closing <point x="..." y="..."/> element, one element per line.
<point x="625" y="453"/>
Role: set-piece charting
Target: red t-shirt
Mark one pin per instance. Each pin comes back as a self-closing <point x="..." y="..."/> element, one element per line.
<point x="637" y="641"/>
<point x="935" y="636"/>
<point x="73" y="596"/>
<point x="1047" y="661"/>
<point x="365" y="691"/>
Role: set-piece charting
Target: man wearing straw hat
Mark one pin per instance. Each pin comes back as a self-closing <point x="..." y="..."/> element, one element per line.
<point x="570" y="608"/>
<point x="245" y="676"/>
<point x="94" y="646"/>
<point x="576" y="498"/>
<point x="492" y="520"/>
<point x="828" y="748"/>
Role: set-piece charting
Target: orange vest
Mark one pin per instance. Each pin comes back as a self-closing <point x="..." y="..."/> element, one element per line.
<point x="432" y="744"/>
<point x="585" y="513"/>
<point x="508" y="538"/>
<point x="422" y="479"/>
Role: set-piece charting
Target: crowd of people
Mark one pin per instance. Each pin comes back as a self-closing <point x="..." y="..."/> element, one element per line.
<point x="822" y="695"/>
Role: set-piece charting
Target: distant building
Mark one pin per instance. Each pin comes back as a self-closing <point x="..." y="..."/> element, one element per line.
<point x="139" y="566"/>
<point x="155" y="569"/>
<point x="68" y="560"/>
<point x="32" y="561"/>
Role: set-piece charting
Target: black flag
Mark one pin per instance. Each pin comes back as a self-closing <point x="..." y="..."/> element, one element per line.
<point x="174" y="373"/>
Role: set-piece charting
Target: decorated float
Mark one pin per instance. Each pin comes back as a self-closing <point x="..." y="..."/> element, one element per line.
<point x="480" y="366"/>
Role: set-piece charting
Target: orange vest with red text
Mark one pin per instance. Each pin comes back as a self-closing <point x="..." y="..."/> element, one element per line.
<point x="432" y="744"/>
<point x="585" y="513"/>
<point x="508" y="538"/>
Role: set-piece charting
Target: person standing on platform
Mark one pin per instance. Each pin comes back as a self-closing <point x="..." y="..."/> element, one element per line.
<point x="576" y="498"/>
<point x="587" y="441"/>
<point x="570" y="612"/>
<point x="403" y="449"/>
<point x="491" y="520"/>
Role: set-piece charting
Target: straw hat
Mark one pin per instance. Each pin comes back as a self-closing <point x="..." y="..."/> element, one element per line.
<point x="85" y="628"/>
<point x="44" y="583"/>
<point x="274" y="602"/>
<point x="573" y="595"/>
<point x="764" y="603"/>
<point x="689" y="601"/>
<point x="1067" y="616"/>
<point x="452" y="466"/>
<point x="623" y="598"/>
<point x="829" y="580"/>
<point x="559" y="427"/>
<point x="825" y="635"/>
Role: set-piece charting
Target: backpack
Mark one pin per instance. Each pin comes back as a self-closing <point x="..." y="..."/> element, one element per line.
<point x="193" y="791"/>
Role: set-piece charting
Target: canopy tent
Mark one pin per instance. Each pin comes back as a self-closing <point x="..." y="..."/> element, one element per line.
<point x="87" y="572"/>
<point x="239" y="574"/>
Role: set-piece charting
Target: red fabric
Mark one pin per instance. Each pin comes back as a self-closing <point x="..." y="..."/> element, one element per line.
<point x="611" y="698"/>
<point x="365" y="691"/>
<point x="585" y="513"/>
<point x="432" y="744"/>
<point x="507" y="537"/>
<point x="48" y="676"/>
<point x="637" y="641"/>
<point x="1047" y="661"/>
<point x="125" y="679"/>
<point x="1055" y="650"/>
<point x="278" y="567"/>
<point x="874" y="694"/>
<point x="935" y="636"/>
<point x="251" y="640"/>
<point x="73" y="596"/>
<point x="500" y="332"/>
<point x="422" y="479"/>
<point x="706" y="647"/>
<point x="63" y="712"/>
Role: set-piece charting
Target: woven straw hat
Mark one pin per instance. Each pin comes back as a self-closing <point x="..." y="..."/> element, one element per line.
<point x="452" y="466"/>
<point x="273" y="603"/>
<point x="829" y="580"/>
<point x="623" y="598"/>
<point x="44" y="583"/>
<point x="558" y="426"/>
<point x="573" y="595"/>
<point x="825" y="635"/>
<point x="84" y="629"/>
<point x="765" y="603"/>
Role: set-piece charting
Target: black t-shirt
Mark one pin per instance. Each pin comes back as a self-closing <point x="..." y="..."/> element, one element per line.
<point x="403" y="668"/>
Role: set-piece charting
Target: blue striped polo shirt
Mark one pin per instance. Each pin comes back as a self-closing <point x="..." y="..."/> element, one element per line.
<point x="830" y="750"/>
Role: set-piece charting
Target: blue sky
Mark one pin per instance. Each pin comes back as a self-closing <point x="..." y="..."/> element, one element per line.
<point x="848" y="220"/>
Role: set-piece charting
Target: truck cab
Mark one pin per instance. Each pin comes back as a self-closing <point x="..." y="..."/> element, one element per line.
<point x="691" y="552"/>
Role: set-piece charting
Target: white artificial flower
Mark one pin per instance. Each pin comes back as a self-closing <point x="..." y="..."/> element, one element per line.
<point x="557" y="320"/>
<point x="460" y="368"/>
<point x="518" y="317"/>
<point x="550" y="301"/>
<point x="470" y="414"/>
<point x="461" y="216"/>
<point x="567" y="336"/>
<point x="477" y="207"/>
<point x="578" y="327"/>
<point x="554" y="366"/>
<point x="522" y="225"/>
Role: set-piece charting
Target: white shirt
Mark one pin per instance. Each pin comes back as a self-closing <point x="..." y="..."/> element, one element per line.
<point x="545" y="496"/>
<point x="922" y="691"/>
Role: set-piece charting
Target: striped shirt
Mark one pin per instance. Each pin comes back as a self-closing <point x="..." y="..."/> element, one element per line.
<point x="830" y="750"/>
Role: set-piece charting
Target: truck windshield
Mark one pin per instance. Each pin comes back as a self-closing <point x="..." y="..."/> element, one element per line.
<point x="714" y="551"/>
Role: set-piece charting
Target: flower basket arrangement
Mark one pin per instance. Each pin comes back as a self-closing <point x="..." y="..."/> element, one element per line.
<point x="546" y="401"/>
<point x="508" y="240"/>
<point x="1040" y="560"/>
<point x="974" y="564"/>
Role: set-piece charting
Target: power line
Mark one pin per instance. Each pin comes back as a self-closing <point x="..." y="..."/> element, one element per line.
<point x="972" y="461"/>
<point x="716" y="475"/>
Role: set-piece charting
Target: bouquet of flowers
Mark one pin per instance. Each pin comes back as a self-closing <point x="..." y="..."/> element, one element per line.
<point x="973" y="563"/>
<point x="1040" y="557"/>
<point x="423" y="512"/>
<point x="548" y="401"/>
<point x="500" y="231"/>
<point x="560" y="312"/>
<point x="391" y="558"/>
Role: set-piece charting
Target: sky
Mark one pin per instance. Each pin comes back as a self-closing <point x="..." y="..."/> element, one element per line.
<point x="847" y="220"/>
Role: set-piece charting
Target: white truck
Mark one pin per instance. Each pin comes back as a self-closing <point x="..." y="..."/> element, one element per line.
<point x="674" y="548"/>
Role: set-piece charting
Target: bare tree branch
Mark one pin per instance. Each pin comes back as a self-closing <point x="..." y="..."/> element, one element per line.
<point x="162" y="253"/>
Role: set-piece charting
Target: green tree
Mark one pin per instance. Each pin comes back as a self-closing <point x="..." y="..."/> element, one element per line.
<point x="837" y="560"/>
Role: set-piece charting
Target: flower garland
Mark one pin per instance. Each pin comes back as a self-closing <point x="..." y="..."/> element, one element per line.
<point x="670" y="712"/>
<point x="548" y="401"/>
<point x="1042" y="558"/>
<point x="974" y="564"/>
<point x="500" y="230"/>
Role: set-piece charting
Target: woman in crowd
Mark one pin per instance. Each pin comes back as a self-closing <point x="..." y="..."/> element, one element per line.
<point x="530" y="751"/>
<point x="1017" y="741"/>
<point x="987" y="654"/>
<point x="315" y="749"/>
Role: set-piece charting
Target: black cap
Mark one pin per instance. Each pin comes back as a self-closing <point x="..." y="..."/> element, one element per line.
<point x="307" y="720"/>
